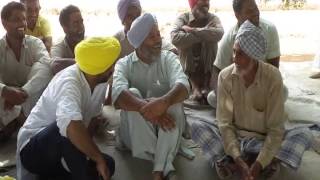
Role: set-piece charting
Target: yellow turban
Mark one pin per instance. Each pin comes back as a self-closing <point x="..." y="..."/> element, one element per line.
<point x="95" y="55"/>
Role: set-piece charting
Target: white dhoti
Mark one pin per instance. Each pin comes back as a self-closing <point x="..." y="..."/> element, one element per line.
<point x="150" y="142"/>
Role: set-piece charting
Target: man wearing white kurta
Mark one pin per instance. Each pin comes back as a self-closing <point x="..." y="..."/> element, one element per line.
<point x="24" y="69"/>
<point x="149" y="86"/>
<point x="55" y="140"/>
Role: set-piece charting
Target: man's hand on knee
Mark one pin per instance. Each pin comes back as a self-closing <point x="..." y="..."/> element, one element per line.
<point x="166" y="122"/>
<point x="103" y="169"/>
<point x="14" y="95"/>
<point x="155" y="107"/>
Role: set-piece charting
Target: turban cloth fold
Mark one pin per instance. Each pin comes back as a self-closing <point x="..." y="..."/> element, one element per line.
<point x="252" y="40"/>
<point x="140" y="29"/>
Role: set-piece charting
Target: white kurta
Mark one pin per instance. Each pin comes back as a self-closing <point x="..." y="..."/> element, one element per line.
<point x="32" y="73"/>
<point x="155" y="80"/>
<point x="61" y="50"/>
<point x="67" y="97"/>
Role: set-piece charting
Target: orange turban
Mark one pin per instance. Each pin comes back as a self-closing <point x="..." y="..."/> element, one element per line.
<point x="192" y="3"/>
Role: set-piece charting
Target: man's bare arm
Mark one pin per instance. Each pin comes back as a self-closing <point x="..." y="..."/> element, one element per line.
<point x="129" y="102"/>
<point x="47" y="42"/>
<point x="177" y="94"/>
<point x="80" y="137"/>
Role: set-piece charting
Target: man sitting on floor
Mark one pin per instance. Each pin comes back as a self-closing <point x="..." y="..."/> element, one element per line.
<point x="196" y="34"/>
<point x="24" y="70"/>
<point x="245" y="10"/>
<point x="149" y="87"/>
<point x="71" y="21"/>
<point x="56" y="139"/>
<point x="250" y="115"/>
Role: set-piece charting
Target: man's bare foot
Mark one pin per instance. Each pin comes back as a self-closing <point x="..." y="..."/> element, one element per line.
<point x="196" y="95"/>
<point x="157" y="175"/>
<point x="204" y="94"/>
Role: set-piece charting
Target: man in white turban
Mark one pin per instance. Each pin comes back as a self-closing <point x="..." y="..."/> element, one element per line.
<point x="149" y="87"/>
<point x="249" y="135"/>
<point x="128" y="11"/>
<point x="56" y="139"/>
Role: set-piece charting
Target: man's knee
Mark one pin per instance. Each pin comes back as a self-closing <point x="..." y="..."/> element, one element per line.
<point x="136" y="92"/>
<point x="177" y="113"/>
<point x="212" y="99"/>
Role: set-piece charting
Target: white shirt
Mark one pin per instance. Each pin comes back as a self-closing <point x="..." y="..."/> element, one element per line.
<point x="225" y="49"/>
<point x="67" y="97"/>
<point x="32" y="72"/>
<point x="61" y="50"/>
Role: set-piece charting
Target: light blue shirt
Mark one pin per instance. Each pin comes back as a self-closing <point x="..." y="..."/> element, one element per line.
<point x="152" y="80"/>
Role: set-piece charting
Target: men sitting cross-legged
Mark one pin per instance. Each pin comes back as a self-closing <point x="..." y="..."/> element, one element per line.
<point x="245" y="10"/>
<point x="250" y="137"/>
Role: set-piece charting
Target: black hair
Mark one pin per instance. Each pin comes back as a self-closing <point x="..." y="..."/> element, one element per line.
<point x="65" y="13"/>
<point x="7" y="10"/>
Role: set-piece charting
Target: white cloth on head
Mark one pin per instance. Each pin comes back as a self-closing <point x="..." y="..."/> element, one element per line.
<point x="140" y="29"/>
<point x="252" y="41"/>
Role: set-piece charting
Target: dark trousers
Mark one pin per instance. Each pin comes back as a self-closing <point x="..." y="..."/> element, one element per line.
<point x="43" y="154"/>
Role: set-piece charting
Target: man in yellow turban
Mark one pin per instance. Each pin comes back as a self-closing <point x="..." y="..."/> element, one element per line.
<point x="56" y="140"/>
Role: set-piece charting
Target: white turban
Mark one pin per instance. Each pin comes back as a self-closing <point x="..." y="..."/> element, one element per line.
<point x="140" y="29"/>
<point x="252" y="41"/>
